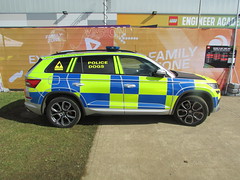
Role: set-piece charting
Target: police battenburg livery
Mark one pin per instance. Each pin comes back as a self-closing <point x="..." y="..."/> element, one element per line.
<point x="69" y="85"/>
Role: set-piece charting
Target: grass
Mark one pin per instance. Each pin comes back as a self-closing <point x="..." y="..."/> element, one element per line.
<point x="32" y="149"/>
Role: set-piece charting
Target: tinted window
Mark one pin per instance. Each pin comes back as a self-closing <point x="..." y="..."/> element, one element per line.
<point x="77" y="66"/>
<point x="65" y="65"/>
<point x="98" y="64"/>
<point x="137" y="66"/>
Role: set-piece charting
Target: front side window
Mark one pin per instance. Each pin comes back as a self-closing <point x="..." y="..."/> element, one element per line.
<point x="98" y="64"/>
<point x="137" y="66"/>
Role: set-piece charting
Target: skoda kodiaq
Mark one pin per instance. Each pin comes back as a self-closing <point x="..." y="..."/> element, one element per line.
<point x="72" y="84"/>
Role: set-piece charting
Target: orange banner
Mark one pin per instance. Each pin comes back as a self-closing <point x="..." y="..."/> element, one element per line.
<point x="178" y="49"/>
<point x="175" y="48"/>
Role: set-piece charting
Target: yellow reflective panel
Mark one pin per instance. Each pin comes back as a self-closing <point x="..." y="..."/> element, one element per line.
<point x="131" y="101"/>
<point x="152" y="85"/>
<point x="116" y="101"/>
<point x="45" y="84"/>
<point x="170" y="101"/>
<point x="201" y="85"/>
<point x="95" y="83"/>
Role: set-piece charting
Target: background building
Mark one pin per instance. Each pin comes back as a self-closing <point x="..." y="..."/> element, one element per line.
<point x="22" y="13"/>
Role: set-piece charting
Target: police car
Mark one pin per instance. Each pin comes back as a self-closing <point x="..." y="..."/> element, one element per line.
<point x="72" y="84"/>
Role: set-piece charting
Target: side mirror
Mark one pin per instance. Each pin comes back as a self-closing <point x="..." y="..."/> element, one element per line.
<point x="160" y="73"/>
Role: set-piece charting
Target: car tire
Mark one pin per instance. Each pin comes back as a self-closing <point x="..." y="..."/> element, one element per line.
<point x="63" y="112"/>
<point x="191" y="111"/>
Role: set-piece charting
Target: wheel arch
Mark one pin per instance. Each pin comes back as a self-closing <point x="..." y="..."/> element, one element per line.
<point x="53" y="95"/>
<point x="203" y="94"/>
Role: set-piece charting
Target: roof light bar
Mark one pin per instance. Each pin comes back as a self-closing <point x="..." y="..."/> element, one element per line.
<point x="112" y="48"/>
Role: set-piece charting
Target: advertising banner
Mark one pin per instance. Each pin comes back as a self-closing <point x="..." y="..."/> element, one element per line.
<point x="162" y="20"/>
<point x="20" y="48"/>
<point x="177" y="49"/>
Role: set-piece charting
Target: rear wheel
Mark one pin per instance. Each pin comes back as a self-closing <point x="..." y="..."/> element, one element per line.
<point x="63" y="112"/>
<point x="191" y="111"/>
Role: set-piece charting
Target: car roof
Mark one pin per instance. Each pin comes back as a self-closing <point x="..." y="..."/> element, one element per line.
<point x="87" y="51"/>
<point x="70" y="53"/>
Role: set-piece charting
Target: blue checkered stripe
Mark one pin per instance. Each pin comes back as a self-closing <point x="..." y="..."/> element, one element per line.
<point x="215" y="101"/>
<point x="64" y="82"/>
<point x="182" y="85"/>
<point x="144" y="101"/>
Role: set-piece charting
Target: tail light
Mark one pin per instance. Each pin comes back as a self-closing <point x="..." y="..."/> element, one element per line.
<point x="32" y="83"/>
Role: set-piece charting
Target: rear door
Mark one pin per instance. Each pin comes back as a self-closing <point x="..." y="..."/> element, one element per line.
<point x="101" y="87"/>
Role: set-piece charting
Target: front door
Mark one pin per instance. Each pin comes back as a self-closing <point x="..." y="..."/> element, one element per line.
<point x="143" y="91"/>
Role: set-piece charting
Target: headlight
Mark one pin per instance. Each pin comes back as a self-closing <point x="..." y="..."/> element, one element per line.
<point x="213" y="85"/>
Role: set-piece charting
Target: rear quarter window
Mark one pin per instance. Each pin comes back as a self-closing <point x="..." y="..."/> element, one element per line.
<point x="82" y="64"/>
<point x="65" y="65"/>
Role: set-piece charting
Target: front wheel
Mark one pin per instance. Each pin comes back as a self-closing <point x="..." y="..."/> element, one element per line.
<point x="63" y="112"/>
<point x="191" y="111"/>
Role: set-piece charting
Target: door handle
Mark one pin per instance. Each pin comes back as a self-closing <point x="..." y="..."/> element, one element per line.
<point x="78" y="84"/>
<point x="129" y="85"/>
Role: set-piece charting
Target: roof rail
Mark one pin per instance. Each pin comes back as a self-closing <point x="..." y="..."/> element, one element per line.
<point x="108" y="50"/>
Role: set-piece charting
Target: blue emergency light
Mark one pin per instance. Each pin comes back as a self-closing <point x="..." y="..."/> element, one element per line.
<point x="112" y="48"/>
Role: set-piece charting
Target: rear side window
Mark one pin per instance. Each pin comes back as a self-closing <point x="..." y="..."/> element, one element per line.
<point x="84" y="64"/>
<point x="98" y="64"/>
<point x="65" y="65"/>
